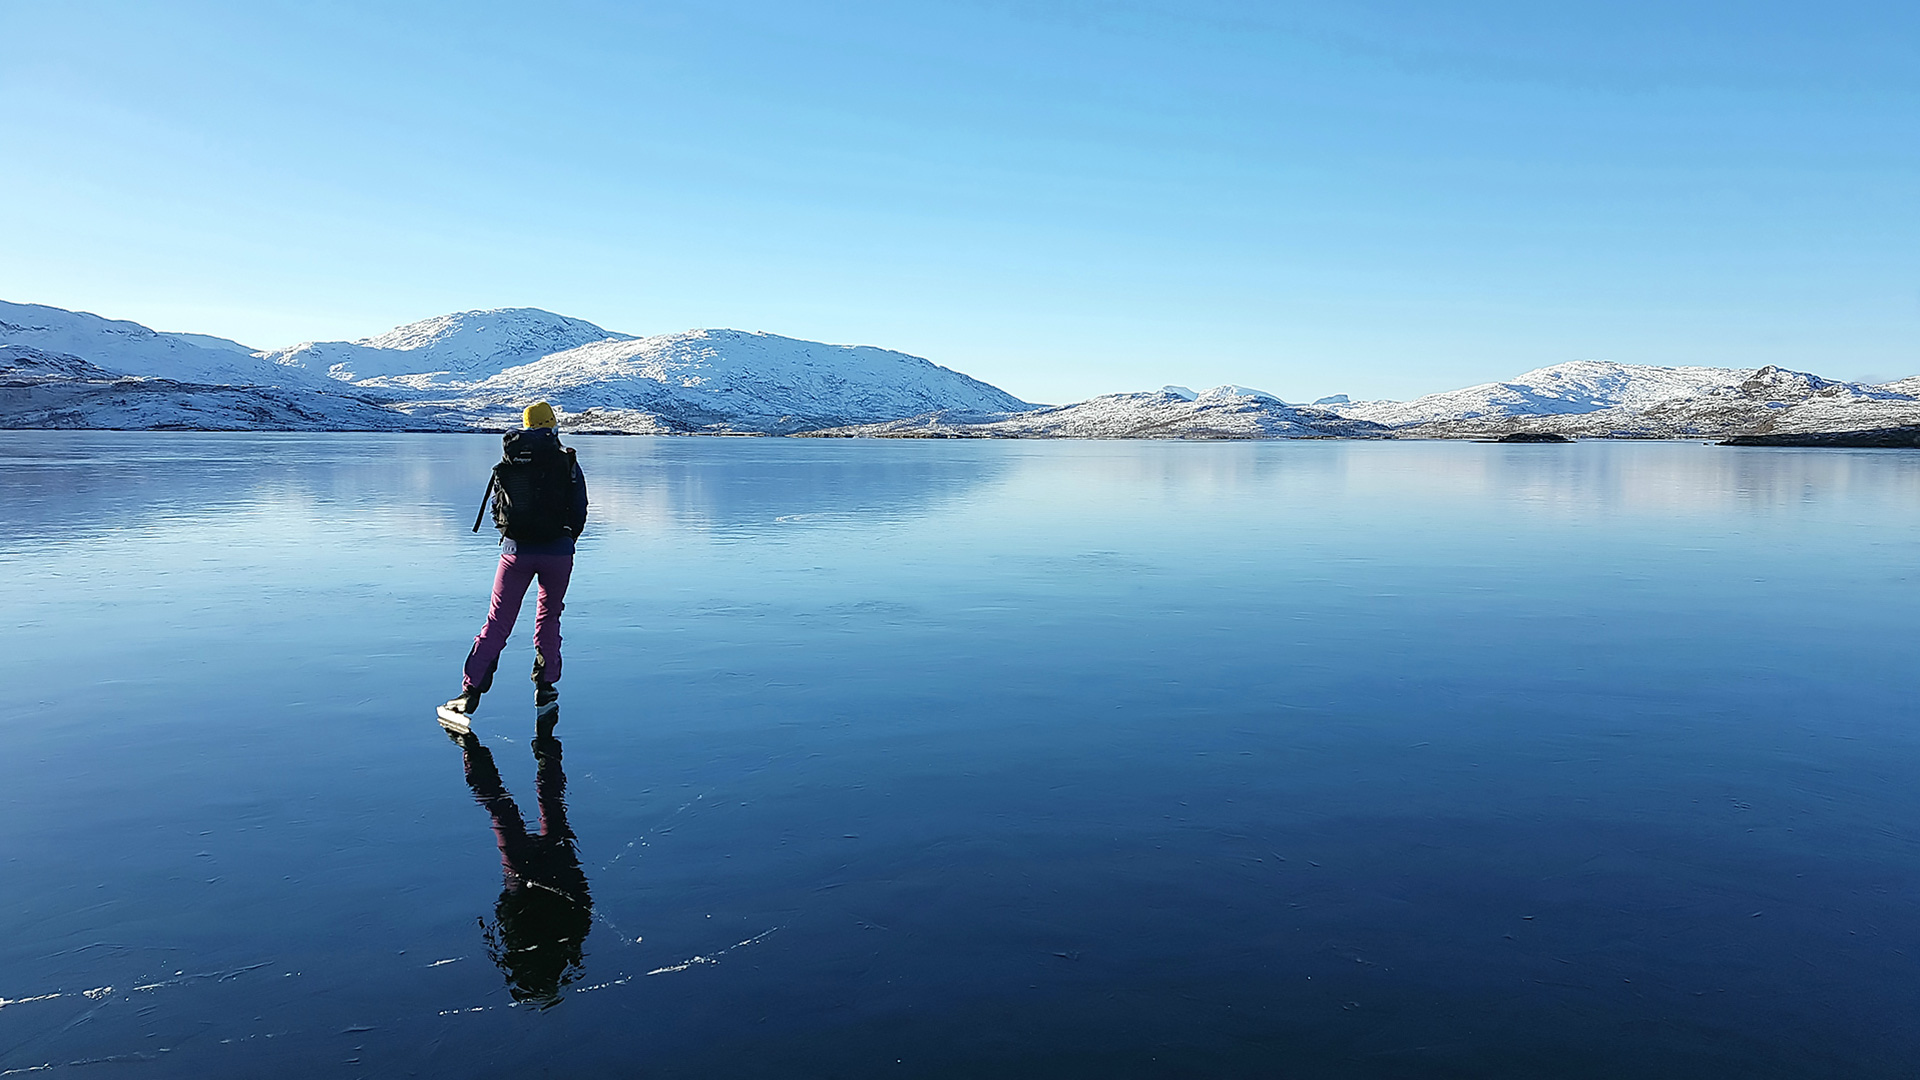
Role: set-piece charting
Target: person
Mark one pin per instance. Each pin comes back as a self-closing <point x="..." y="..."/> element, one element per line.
<point x="539" y="498"/>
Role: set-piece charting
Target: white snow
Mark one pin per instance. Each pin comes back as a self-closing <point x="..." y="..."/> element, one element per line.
<point x="1620" y="400"/>
<point x="128" y="348"/>
<point x="1231" y="391"/>
<point x="1581" y="386"/>
<point x="734" y="380"/>
<point x="466" y="346"/>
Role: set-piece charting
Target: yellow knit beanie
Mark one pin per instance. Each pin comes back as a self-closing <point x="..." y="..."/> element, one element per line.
<point x="539" y="414"/>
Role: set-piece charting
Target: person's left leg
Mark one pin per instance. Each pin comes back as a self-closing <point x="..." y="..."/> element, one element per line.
<point x="553" y="573"/>
<point x="510" y="583"/>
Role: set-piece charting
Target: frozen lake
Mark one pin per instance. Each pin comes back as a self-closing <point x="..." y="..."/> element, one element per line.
<point x="968" y="758"/>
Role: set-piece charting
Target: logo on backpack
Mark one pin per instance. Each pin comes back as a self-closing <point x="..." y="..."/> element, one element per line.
<point x="533" y="488"/>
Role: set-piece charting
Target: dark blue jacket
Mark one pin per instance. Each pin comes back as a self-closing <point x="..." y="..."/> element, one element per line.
<point x="577" y="522"/>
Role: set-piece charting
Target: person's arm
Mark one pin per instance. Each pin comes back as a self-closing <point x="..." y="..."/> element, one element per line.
<point x="579" y="500"/>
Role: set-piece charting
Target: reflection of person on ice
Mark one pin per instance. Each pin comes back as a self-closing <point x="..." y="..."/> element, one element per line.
<point x="544" y="912"/>
<point x="539" y="499"/>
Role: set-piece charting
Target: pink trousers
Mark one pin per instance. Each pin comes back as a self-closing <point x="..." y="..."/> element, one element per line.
<point x="509" y="589"/>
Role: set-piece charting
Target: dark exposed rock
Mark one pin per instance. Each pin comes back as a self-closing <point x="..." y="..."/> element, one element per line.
<point x="1907" y="435"/>
<point x="1533" y="437"/>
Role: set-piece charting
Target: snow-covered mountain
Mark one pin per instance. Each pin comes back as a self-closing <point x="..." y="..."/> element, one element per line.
<point x="1224" y="412"/>
<point x="479" y="368"/>
<point x="42" y="390"/>
<point x="127" y="348"/>
<point x="1597" y="399"/>
<point x="464" y="347"/>
<point x="1583" y="386"/>
<point x="732" y="380"/>
<point x="1582" y="399"/>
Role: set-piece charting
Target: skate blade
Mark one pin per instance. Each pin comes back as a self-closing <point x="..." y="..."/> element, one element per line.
<point x="457" y="722"/>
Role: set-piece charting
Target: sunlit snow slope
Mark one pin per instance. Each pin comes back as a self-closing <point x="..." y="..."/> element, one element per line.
<point x="127" y="348"/>
<point x="732" y="380"/>
<point x="463" y="347"/>
<point x="1582" y="386"/>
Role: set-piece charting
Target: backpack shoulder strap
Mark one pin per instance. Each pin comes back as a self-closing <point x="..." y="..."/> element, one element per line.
<point x="492" y="478"/>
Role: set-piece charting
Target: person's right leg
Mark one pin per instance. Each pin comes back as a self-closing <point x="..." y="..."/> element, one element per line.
<point x="510" y="583"/>
<point x="555" y="572"/>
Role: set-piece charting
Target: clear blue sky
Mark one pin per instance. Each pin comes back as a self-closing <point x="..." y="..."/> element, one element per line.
<point x="1062" y="198"/>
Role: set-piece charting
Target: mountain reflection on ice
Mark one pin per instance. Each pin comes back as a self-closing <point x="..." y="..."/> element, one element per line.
<point x="70" y="484"/>
<point x="966" y="758"/>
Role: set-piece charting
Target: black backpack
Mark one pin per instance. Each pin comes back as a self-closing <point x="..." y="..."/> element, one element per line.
<point x="532" y="489"/>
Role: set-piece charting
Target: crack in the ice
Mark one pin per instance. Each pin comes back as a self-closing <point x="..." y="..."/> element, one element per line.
<point x="101" y="997"/>
<point x="714" y="958"/>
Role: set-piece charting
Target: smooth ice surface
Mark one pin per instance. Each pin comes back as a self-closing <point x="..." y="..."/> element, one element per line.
<point x="966" y="758"/>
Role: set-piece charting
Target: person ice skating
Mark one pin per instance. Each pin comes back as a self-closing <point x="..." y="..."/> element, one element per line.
<point x="539" y="499"/>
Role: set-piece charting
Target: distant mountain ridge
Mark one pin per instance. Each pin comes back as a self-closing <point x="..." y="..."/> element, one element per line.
<point x="1607" y="400"/>
<point x="465" y="346"/>
<point x="1580" y="386"/>
<point x="43" y="390"/>
<point x="477" y="369"/>
<point x="128" y="348"/>
<point x="1586" y="398"/>
<point x="1224" y="412"/>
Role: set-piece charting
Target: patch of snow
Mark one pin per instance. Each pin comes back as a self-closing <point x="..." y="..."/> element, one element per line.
<point x="1229" y="391"/>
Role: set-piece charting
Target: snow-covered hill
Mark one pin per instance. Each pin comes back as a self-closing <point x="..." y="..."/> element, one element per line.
<point x="480" y="368"/>
<point x="1597" y="400"/>
<point x="464" y="347"/>
<point x="1224" y="412"/>
<point x="1583" y="386"/>
<point x="41" y="390"/>
<point x="731" y="381"/>
<point x="127" y="348"/>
